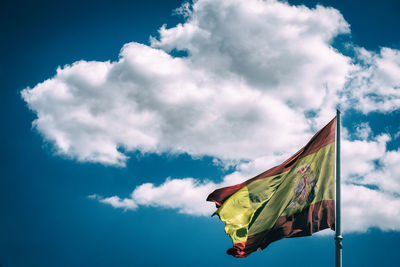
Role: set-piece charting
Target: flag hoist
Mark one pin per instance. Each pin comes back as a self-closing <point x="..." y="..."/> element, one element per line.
<point x="293" y="199"/>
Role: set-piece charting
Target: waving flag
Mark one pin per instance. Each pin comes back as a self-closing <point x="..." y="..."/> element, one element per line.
<point x="293" y="199"/>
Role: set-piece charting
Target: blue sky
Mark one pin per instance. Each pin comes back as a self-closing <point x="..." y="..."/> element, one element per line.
<point x="187" y="125"/>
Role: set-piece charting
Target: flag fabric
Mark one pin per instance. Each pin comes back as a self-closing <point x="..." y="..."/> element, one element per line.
<point x="293" y="199"/>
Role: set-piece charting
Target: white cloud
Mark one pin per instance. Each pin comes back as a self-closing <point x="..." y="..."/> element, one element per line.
<point x="375" y="83"/>
<point x="363" y="131"/>
<point x="254" y="70"/>
<point x="368" y="163"/>
<point x="364" y="208"/>
<point x="371" y="185"/>
<point x="185" y="195"/>
<point x="116" y="202"/>
<point x="387" y="174"/>
<point x="358" y="156"/>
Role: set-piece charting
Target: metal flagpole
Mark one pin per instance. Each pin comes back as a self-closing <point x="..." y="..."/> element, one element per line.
<point x="338" y="233"/>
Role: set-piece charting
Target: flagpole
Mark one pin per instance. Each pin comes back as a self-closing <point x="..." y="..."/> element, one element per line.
<point x="338" y="233"/>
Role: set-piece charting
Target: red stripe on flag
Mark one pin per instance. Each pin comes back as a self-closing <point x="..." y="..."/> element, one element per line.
<point x="316" y="217"/>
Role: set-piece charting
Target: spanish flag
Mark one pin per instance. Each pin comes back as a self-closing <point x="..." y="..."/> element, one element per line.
<point x="293" y="199"/>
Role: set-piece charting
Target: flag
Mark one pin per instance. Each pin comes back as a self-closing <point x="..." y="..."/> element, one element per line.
<point x="293" y="199"/>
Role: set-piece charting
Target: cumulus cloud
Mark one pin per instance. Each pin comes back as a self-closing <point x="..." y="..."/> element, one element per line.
<point x="252" y="66"/>
<point x="375" y="82"/>
<point x="359" y="156"/>
<point x="364" y="208"/>
<point x="371" y="186"/>
<point x="363" y="131"/>
<point x="116" y="202"/>
<point x="258" y="79"/>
